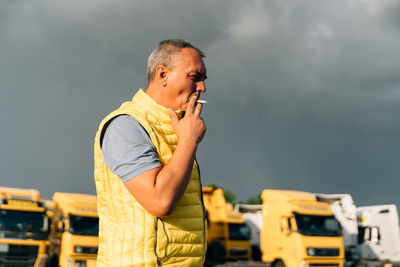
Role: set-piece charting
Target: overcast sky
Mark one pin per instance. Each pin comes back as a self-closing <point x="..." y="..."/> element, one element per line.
<point x="303" y="95"/>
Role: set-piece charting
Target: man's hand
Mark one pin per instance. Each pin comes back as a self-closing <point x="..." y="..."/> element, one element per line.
<point x="191" y="128"/>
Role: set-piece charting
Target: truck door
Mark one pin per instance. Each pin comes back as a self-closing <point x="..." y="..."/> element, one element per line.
<point x="370" y="242"/>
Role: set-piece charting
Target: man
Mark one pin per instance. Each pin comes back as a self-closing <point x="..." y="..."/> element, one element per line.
<point x="148" y="183"/>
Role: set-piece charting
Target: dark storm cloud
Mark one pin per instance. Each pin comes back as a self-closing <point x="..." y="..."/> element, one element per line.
<point x="64" y="66"/>
<point x="315" y="90"/>
<point x="302" y="95"/>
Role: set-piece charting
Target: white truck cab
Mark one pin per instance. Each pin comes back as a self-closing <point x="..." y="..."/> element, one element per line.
<point x="371" y="234"/>
<point x="379" y="234"/>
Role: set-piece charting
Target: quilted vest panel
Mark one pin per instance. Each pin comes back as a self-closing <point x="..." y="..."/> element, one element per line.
<point x="127" y="232"/>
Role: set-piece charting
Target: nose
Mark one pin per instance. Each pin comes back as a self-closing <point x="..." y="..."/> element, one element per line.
<point x="201" y="87"/>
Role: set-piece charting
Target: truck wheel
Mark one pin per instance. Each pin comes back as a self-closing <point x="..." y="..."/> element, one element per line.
<point x="215" y="251"/>
<point x="255" y="253"/>
<point x="52" y="262"/>
<point x="278" y="264"/>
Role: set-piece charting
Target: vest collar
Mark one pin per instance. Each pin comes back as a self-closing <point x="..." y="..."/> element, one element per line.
<point x="153" y="106"/>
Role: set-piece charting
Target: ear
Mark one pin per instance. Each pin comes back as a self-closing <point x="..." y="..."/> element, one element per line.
<point x="161" y="75"/>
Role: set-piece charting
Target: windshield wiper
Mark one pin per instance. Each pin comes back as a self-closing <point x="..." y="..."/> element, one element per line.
<point x="10" y="229"/>
<point x="333" y="234"/>
<point x="10" y="233"/>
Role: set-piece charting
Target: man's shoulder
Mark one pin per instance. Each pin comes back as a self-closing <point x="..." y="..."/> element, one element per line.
<point x="125" y="119"/>
<point x="126" y="124"/>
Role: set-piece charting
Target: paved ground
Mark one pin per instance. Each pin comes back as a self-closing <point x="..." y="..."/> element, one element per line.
<point x="238" y="264"/>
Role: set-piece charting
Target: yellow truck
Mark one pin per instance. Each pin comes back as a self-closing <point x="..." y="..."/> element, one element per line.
<point x="74" y="231"/>
<point x="228" y="234"/>
<point x="23" y="228"/>
<point x="297" y="230"/>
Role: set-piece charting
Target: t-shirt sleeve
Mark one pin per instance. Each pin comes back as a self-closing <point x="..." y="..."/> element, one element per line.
<point x="127" y="148"/>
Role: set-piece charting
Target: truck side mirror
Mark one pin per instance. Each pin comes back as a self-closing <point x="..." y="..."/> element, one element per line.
<point x="292" y="224"/>
<point x="367" y="234"/>
<point x="361" y="235"/>
<point x="60" y="226"/>
<point x="375" y="235"/>
<point x="284" y="225"/>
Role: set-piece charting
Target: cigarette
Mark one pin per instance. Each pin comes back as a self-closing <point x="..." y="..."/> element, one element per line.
<point x="201" y="101"/>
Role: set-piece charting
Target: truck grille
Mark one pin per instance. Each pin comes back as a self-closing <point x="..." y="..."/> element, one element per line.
<point x="323" y="264"/>
<point x="235" y="252"/>
<point x="323" y="252"/>
<point x="85" y="250"/>
<point x="19" y="256"/>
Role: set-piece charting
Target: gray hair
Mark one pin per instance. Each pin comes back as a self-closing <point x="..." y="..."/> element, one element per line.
<point x="165" y="55"/>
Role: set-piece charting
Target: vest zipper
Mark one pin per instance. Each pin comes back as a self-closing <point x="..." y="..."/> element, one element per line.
<point x="204" y="212"/>
<point x="159" y="261"/>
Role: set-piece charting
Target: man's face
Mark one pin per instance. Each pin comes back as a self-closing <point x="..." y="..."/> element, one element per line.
<point x="186" y="78"/>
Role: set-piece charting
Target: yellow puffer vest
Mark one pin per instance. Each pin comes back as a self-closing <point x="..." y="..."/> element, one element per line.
<point x="128" y="234"/>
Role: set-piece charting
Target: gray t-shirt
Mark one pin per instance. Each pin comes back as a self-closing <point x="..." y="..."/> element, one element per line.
<point x="127" y="148"/>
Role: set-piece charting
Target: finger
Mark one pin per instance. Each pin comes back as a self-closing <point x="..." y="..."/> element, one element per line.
<point x="192" y="103"/>
<point x="174" y="117"/>
<point x="198" y="109"/>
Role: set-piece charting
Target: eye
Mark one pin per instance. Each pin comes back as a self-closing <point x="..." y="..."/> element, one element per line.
<point x="195" y="77"/>
<point x="198" y="78"/>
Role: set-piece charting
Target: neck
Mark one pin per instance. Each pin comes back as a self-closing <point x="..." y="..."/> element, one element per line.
<point x="158" y="94"/>
<point x="159" y="98"/>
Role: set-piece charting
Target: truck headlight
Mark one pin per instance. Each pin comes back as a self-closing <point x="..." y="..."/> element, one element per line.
<point x="78" y="249"/>
<point x="311" y="251"/>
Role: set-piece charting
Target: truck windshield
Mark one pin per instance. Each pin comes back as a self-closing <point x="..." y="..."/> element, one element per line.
<point x="81" y="225"/>
<point x="239" y="231"/>
<point x="24" y="224"/>
<point x="315" y="225"/>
